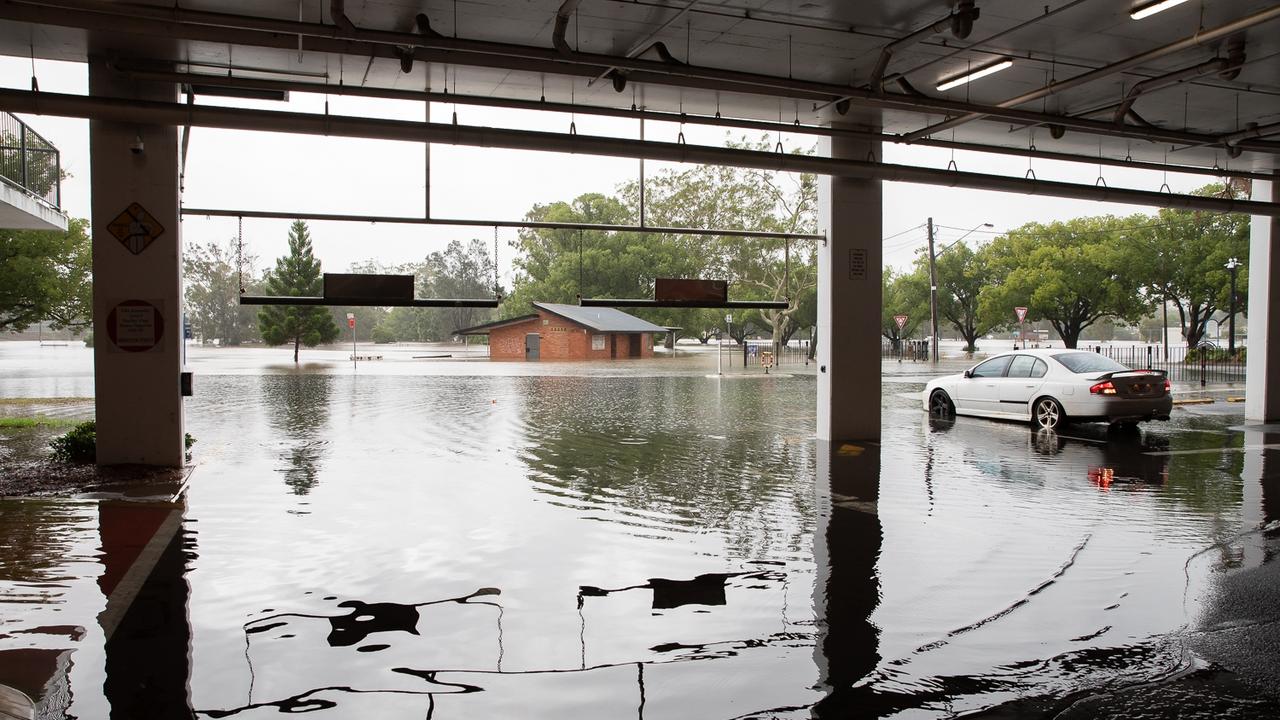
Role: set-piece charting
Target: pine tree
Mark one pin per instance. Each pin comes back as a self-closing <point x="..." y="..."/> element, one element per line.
<point x="296" y="274"/>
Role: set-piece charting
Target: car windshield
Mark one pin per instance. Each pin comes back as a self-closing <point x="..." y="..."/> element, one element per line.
<point x="1087" y="362"/>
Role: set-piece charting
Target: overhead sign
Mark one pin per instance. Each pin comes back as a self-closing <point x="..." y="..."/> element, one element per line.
<point x="1022" y="313"/>
<point x="135" y="228"/>
<point x="901" y="320"/>
<point x="135" y="326"/>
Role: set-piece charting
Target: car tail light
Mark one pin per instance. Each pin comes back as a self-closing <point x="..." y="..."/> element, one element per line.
<point x="1103" y="388"/>
<point x="1168" y="386"/>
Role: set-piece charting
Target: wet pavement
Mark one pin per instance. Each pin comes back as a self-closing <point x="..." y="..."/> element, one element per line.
<point x="463" y="538"/>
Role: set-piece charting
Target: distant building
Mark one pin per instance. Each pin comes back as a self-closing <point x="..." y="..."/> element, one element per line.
<point x="568" y="332"/>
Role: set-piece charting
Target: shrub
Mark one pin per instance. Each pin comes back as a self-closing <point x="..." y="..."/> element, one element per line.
<point x="79" y="445"/>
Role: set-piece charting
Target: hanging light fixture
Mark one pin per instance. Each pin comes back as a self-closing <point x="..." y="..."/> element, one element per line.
<point x="1148" y="9"/>
<point x="970" y="75"/>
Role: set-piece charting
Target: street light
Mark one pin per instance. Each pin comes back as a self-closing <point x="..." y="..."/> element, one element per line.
<point x="933" y="282"/>
<point x="1232" y="265"/>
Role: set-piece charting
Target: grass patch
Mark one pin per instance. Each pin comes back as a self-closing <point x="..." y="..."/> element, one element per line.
<point x="45" y="401"/>
<point x="13" y="423"/>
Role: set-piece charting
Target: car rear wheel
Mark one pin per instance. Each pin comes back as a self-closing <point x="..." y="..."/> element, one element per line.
<point x="940" y="405"/>
<point x="1048" y="414"/>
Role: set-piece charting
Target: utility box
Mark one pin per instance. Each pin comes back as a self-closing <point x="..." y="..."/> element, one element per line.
<point x="350" y="286"/>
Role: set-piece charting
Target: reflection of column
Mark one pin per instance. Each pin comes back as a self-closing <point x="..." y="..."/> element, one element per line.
<point x="846" y="544"/>
<point x="849" y="267"/>
<point x="134" y="174"/>
<point x="148" y="635"/>
<point x="1260" y="493"/>
<point x="1262" y="384"/>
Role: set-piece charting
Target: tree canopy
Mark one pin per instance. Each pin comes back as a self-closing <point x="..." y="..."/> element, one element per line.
<point x="46" y="275"/>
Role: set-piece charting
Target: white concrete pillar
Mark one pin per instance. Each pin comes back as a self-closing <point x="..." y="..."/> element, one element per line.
<point x="137" y="290"/>
<point x="849" y="268"/>
<point x="1262" y="384"/>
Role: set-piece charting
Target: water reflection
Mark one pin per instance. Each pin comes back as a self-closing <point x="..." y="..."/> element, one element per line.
<point x="298" y="408"/>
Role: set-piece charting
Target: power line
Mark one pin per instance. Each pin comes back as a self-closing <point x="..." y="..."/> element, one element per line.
<point x="904" y="232"/>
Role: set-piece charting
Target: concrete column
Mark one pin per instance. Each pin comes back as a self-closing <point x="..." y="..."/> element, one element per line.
<point x="1262" y="386"/>
<point x="849" y="268"/>
<point x="137" y="291"/>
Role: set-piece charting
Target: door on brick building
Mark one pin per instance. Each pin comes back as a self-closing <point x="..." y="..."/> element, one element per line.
<point x="635" y="345"/>
<point x="613" y="346"/>
<point x="532" y="346"/>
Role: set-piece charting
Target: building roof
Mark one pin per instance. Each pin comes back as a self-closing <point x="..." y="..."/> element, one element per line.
<point x="601" y="319"/>
<point x="486" y="327"/>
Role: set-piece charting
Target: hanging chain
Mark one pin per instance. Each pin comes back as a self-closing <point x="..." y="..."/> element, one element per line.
<point x="497" y="289"/>
<point x="240" y="253"/>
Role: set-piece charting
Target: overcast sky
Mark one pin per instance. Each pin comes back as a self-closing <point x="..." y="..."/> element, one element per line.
<point x="298" y="173"/>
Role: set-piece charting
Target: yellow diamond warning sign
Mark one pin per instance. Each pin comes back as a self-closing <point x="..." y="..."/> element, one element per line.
<point x="135" y="228"/>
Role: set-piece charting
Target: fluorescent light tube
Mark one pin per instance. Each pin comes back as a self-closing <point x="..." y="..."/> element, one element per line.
<point x="1152" y="8"/>
<point x="958" y="80"/>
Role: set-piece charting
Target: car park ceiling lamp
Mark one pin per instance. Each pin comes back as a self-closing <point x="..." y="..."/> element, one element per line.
<point x="1148" y="9"/>
<point x="969" y="76"/>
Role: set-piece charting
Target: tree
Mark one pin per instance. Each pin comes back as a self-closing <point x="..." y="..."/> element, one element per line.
<point x="463" y="272"/>
<point x="1071" y="273"/>
<point x="962" y="274"/>
<point x="212" y="274"/>
<point x="296" y="274"/>
<point x="46" y="275"/>
<point x="903" y="294"/>
<point x="1185" y="253"/>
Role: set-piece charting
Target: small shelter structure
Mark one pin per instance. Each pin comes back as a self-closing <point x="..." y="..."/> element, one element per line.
<point x="568" y="332"/>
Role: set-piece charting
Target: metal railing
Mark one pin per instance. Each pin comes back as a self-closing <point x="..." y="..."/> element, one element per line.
<point x="1204" y="364"/>
<point x="29" y="161"/>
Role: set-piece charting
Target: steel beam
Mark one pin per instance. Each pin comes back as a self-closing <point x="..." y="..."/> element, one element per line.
<point x="367" y="302"/>
<point x="157" y="113"/>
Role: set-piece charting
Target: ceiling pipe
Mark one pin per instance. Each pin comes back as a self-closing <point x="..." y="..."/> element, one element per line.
<point x="566" y="11"/>
<point x="1217" y="65"/>
<point x="284" y="86"/>
<point x="1253" y="131"/>
<point x="160" y="113"/>
<point x="1199" y="38"/>
<point x="268" y="32"/>
<point x="338" y="13"/>
<point x="644" y="46"/>
<point x="886" y="53"/>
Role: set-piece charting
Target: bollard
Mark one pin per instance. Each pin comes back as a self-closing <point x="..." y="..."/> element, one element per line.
<point x="1204" y="366"/>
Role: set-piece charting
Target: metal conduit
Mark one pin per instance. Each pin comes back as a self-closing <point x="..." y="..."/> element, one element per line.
<point x="1199" y="38"/>
<point x="475" y="222"/>
<point x="1150" y="84"/>
<point x="159" y="113"/>
<point x="137" y="73"/>
<point x="267" y="32"/>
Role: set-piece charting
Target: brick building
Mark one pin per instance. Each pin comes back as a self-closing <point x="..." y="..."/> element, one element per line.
<point x="568" y="332"/>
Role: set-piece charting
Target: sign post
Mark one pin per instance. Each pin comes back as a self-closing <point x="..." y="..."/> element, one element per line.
<point x="901" y="321"/>
<point x="1022" y="316"/>
<point x="728" y="321"/>
<point x="351" y="323"/>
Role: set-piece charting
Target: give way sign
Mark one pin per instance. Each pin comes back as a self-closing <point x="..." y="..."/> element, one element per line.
<point x="1022" y="313"/>
<point x="901" y="320"/>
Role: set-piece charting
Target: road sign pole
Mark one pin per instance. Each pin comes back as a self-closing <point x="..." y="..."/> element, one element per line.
<point x="351" y="323"/>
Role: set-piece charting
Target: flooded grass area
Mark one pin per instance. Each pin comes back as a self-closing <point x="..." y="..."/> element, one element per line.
<point x="460" y="538"/>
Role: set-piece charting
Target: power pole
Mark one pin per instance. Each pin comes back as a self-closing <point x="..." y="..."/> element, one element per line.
<point x="933" y="295"/>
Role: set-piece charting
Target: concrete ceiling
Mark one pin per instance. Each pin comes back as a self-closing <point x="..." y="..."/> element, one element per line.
<point x="807" y="51"/>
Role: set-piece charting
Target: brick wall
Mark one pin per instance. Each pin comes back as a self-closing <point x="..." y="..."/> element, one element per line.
<point x="562" y="340"/>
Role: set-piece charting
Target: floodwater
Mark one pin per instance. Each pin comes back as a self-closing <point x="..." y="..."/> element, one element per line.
<point x="456" y="538"/>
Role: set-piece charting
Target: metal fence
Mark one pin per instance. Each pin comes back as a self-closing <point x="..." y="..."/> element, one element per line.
<point x="1205" y="364"/>
<point x="1202" y="365"/>
<point x="29" y="161"/>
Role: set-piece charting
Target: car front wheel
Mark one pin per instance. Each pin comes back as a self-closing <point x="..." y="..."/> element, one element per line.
<point x="940" y="405"/>
<point x="1048" y="414"/>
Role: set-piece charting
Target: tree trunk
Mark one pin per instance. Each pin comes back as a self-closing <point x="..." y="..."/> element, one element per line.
<point x="296" y="341"/>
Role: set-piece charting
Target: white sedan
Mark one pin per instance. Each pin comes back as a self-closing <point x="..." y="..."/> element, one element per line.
<point x="1051" y="387"/>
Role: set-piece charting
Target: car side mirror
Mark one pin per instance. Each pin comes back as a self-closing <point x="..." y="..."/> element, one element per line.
<point x="968" y="373"/>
